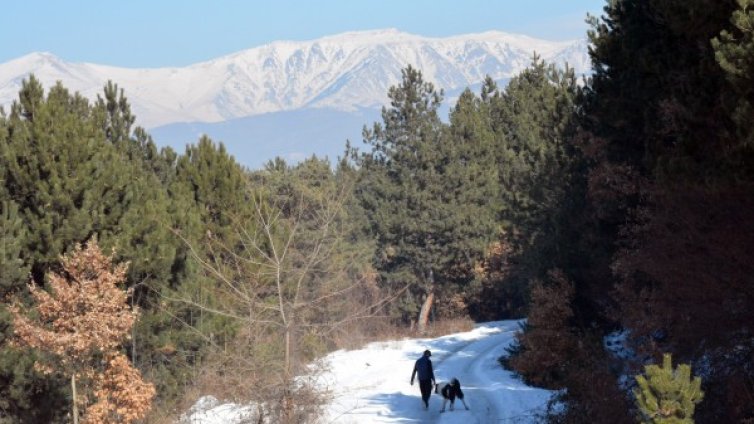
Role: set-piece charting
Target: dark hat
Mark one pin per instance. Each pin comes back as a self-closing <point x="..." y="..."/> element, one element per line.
<point x="427" y="353"/>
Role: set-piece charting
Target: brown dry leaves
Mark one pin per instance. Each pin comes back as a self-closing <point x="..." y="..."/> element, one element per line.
<point x="122" y="396"/>
<point x="82" y="322"/>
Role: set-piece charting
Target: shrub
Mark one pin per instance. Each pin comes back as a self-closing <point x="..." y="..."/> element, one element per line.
<point x="666" y="395"/>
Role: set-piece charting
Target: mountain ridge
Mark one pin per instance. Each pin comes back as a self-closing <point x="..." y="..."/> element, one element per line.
<point x="344" y="71"/>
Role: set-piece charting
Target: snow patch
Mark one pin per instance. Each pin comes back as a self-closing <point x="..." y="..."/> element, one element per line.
<point x="616" y="343"/>
<point x="208" y="410"/>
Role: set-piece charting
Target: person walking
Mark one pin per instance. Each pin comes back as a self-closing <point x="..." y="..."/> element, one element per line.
<point x="423" y="367"/>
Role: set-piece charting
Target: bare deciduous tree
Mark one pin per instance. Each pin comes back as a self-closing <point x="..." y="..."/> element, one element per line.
<point x="294" y="281"/>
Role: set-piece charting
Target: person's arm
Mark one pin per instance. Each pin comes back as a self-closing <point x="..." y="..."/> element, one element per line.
<point x="432" y="373"/>
<point x="413" y="374"/>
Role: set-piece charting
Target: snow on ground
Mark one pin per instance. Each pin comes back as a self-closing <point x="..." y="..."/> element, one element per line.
<point x="208" y="410"/>
<point x="371" y="385"/>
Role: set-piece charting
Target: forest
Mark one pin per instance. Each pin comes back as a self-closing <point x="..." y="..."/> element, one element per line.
<point x="133" y="276"/>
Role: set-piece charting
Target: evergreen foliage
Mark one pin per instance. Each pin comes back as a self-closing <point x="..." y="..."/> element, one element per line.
<point x="537" y="117"/>
<point x="734" y="52"/>
<point x="657" y="86"/>
<point x="528" y="126"/>
<point x="666" y="395"/>
<point x="218" y="184"/>
<point x="207" y="195"/>
<point x="69" y="183"/>
<point x="637" y="187"/>
<point x="655" y="236"/>
<point x="420" y="192"/>
<point x="13" y="272"/>
<point x="70" y="170"/>
<point x="547" y="337"/>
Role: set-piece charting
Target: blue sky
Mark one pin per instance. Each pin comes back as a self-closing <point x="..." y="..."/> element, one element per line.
<point x="156" y="33"/>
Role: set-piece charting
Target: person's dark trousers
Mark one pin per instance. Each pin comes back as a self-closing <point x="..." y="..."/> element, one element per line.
<point x="426" y="388"/>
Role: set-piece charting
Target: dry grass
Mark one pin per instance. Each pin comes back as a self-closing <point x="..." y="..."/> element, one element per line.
<point x="450" y="326"/>
<point x="169" y="414"/>
<point x="356" y="338"/>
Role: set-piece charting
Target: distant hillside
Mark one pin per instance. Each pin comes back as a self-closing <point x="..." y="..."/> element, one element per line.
<point x="293" y="135"/>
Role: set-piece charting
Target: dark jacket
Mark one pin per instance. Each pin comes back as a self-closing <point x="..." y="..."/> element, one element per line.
<point x="423" y="367"/>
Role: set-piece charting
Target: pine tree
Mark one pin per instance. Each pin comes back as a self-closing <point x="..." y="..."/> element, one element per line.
<point x="69" y="184"/>
<point x="419" y="192"/>
<point x="666" y="395"/>
<point x="471" y="167"/>
<point x="547" y="339"/>
<point x="73" y="170"/>
<point x="665" y="188"/>
<point x="13" y="271"/>
<point x="536" y="118"/>
<point x="734" y="51"/>
<point x="25" y="395"/>
<point x="668" y="122"/>
<point x="529" y="125"/>
<point x="218" y="184"/>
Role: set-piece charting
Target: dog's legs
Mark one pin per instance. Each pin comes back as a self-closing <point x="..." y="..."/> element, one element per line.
<point x="444" y="401"/>
<point x="464" y="404"/>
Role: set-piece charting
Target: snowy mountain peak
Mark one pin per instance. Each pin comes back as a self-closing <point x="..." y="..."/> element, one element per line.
<point x="38" y="57"/>
<point x="36" y="60"/>
<point x="343" y="71"/>
<point x="384" y="34"/>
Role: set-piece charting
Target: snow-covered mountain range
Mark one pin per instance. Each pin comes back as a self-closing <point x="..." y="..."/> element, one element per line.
<point x="343" y="72"/>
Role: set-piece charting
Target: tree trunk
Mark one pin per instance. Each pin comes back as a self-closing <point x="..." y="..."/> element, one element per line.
<point x="287" y="407"/>
<point x="288" y="404"/>
<point x="75" y="407"/>
<point x="287" y="351"/>
<point x="424" y="312"/>
<point x="427" y="305"/>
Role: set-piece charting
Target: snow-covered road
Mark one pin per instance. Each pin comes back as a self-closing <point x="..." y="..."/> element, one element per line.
<point x="371" y="385"/>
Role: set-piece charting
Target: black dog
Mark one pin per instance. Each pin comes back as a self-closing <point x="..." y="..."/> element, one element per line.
<point x="450" y="391"/>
